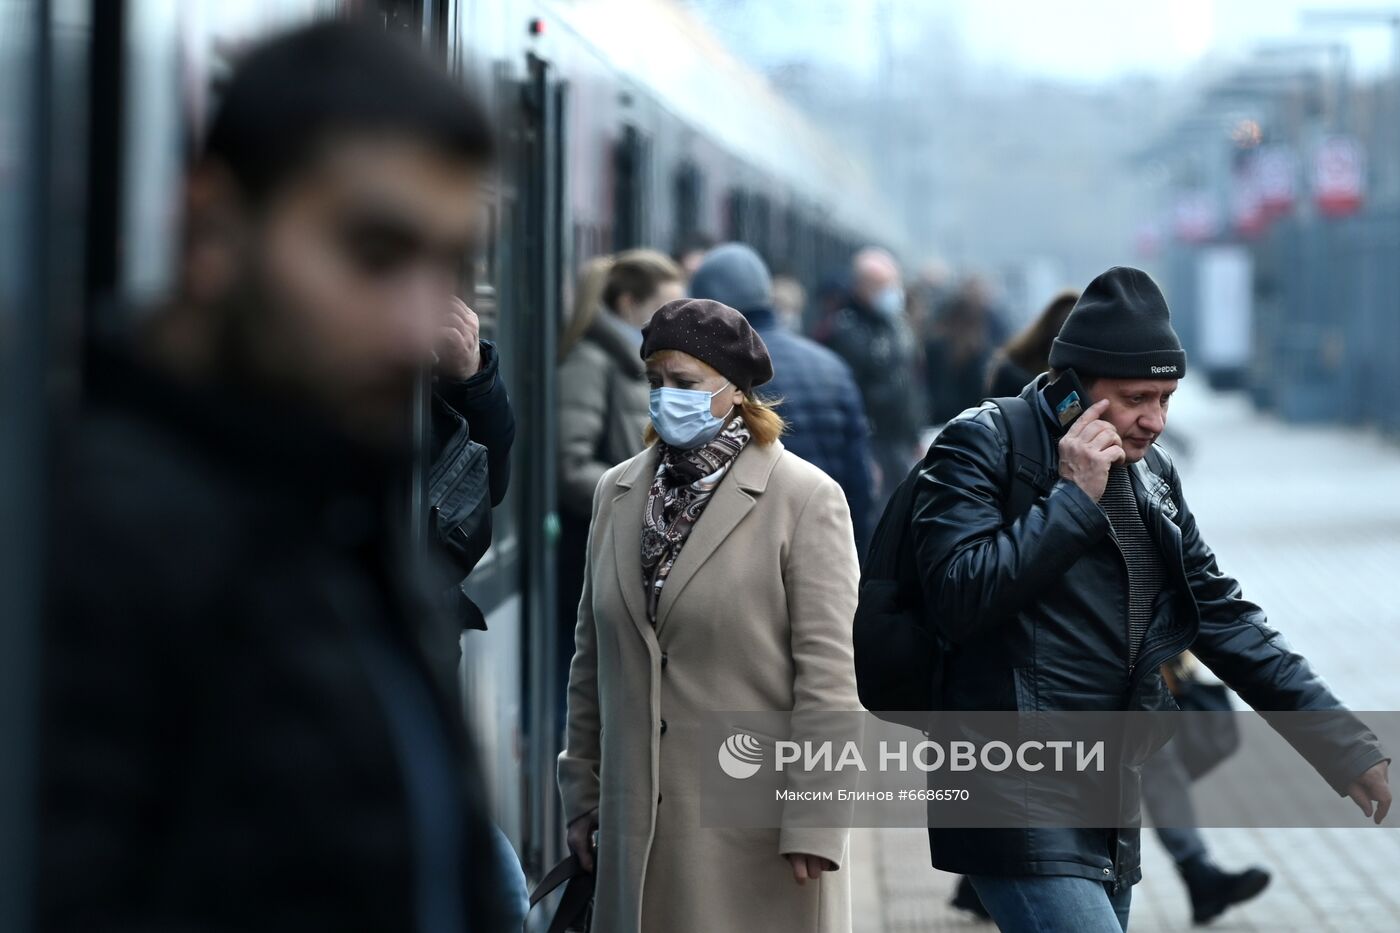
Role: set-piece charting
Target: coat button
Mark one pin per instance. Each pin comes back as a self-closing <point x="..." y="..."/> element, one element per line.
<point x="663" y="727"/>
<point x="658" y="798"/>
<point x="1108" y="871"/>
<point x="664" y="658"/>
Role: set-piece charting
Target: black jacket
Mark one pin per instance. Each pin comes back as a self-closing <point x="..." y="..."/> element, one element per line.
<point x="1036" y="611"/>
<point x="247" y="702"/>
<point x="1005" y="377"/>
<point x="951" y="385"/>
<point x="483" y="402"/>
<point x="882" y="354"/>
<point x="476" y="409"/>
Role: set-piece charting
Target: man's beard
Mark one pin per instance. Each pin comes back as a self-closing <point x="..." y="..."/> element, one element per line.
<point x="262" y="351"/>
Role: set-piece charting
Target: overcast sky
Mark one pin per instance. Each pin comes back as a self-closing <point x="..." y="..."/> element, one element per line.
<point x="1087" y="40"/>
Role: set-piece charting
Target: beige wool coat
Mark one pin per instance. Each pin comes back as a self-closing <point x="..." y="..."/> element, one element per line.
<point x="755" y="615"/>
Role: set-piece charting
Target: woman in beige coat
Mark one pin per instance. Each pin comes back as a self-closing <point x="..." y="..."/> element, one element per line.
<point x="721" y="576"/>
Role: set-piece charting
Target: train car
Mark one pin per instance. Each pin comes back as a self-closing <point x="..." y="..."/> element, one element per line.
<point x="623" y="123"/>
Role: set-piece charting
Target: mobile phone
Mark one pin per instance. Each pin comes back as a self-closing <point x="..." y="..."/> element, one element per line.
<point x="1067" y="398"/>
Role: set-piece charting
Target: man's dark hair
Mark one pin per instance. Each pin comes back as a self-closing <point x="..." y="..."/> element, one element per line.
<point x="325" y="82"/>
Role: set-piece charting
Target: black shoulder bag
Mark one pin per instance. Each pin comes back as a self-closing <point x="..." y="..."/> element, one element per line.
<point x="898" y="649"/>
<point x="576" y="905"/>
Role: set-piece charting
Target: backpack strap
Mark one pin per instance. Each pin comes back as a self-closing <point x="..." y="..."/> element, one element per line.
<point x="1029" y="476"/>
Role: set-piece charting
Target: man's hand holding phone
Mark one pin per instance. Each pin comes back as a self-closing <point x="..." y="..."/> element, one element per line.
<point x="1088" y="449"/>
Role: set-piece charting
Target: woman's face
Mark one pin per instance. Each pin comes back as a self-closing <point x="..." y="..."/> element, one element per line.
<point x="677" y="370"/>
<point x="639" y="311"/>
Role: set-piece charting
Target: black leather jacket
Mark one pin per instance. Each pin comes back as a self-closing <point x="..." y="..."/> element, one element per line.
<point x="1037" y="614"/>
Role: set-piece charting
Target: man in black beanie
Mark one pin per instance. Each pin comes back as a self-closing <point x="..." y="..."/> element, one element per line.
<point x="1067" y="582"/>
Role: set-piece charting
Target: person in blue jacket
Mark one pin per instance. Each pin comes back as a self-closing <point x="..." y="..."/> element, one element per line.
<point x="821" y="402"/>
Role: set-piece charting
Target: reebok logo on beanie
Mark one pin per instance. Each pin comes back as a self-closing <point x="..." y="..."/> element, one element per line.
<point x="1120" y="328"/>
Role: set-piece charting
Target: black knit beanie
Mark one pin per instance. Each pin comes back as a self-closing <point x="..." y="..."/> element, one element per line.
<point x="1120" y="328"/>
<point x="713" y="333"/>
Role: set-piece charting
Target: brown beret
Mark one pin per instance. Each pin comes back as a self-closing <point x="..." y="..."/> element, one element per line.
<point x="713" y="333"/>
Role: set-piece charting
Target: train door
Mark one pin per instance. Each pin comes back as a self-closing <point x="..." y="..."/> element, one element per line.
<point x="42" y="156"/>
<point x="532" y="247"/>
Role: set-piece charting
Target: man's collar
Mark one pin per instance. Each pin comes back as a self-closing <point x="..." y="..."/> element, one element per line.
<point x="1035" y="394"/>
<point x="266" y="440"/>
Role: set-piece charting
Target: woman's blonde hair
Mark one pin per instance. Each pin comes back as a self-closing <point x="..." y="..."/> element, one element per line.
<point x="636" y="273"/>
<point x="760" y="417"/>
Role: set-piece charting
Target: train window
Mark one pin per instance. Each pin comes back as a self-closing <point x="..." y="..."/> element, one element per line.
<point x="689" y="195"/>
<point x="630" y="172"/>
<point x="736" y="215"/>
<point x="761" y="233"/>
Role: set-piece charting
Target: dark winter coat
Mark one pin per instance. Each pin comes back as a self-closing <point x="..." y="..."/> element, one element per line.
<point x="249" y="711"/>
<point x="883" y="356"/>
<point x="1005" y="377"/>
<point x="478" y="409"/>
<point x="604" y="400"/>
<point x="953" y="384"/>
<point x="822" y="406"/>
<point x="483" y="401"/>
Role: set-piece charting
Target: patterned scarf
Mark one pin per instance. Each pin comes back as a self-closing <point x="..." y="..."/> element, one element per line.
<point x="684" y="482"/>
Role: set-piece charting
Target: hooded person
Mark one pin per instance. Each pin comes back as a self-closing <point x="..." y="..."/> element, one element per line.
<point x="722" y="575"/>
<point x="818" y="396"/>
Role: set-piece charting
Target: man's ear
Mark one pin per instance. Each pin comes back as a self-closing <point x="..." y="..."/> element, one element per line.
<point x="215" y="234"/>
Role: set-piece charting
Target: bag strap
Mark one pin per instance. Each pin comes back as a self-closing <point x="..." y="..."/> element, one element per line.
<point x="577" y="893"/>
<point x="1030" y="478"/>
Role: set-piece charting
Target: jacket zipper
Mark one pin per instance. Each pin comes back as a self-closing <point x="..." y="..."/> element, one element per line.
<point x="1128" y="601"/>
<point x="1136" y="666"/>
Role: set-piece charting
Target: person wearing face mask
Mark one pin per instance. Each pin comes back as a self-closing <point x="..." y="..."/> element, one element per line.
<point x="722" y="573"/>
<point x="872" y="334"/>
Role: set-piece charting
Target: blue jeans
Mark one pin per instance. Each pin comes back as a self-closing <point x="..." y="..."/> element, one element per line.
<point x="515" y="894"/>
<point x="1052" y="904"/>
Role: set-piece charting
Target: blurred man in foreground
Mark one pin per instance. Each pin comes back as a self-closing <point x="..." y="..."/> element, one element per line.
<point x="872" y="334"/>
<point x="245" y="723"/>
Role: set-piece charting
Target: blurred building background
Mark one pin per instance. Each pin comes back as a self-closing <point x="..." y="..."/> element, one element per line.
<point x="1246" y="153"/>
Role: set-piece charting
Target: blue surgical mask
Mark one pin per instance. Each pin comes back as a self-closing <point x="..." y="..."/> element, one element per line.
<point x="682" y="416"/>
<point x="889" y="301"/>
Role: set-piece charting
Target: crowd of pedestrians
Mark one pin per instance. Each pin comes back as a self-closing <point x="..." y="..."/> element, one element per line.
<point x="251" y="713"/>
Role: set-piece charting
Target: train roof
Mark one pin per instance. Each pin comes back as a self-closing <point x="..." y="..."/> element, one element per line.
<point x="666" y="49"/>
